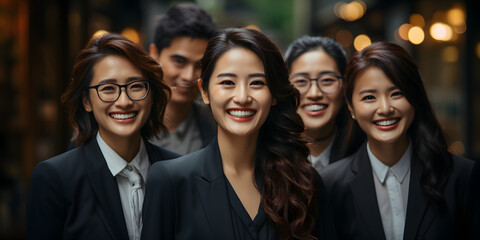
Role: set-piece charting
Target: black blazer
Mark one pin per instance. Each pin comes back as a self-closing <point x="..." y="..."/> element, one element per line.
<point x="351" y="189"/>
<point x="75" y="196"/>
<point x="187" y="198"/>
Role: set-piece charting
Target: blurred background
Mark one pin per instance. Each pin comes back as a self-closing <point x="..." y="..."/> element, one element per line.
<point x="39" y="40"/>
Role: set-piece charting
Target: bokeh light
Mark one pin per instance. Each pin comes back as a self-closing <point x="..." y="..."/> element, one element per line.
<point x="416" y="35"/>
<point x="417" y="20"/>
<point x="456" y="16"/>
<point x="441" y="31"/>
<point x="403" y="31"/>
<point x="350" y="11"/>
<point x="450" y="54"/>
<point x="131" y="34"/>
<point x="344" y="37"/>
<point x="478" y="49"/>
<point x="99" y="33"/>
<point x="361" y="41"/>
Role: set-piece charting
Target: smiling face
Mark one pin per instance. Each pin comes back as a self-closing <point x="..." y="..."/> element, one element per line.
<point x="238" y="93"/>
<point x="124" y="117"/>
<point x="380" y="108"/>
<point x="181" y="66"/>
<point x="317" y="109"/>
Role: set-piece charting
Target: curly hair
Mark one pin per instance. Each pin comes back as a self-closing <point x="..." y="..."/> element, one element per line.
<point x="289" y="195"/>
<point x="429" y="144"/>
<point x="84" y="124"/>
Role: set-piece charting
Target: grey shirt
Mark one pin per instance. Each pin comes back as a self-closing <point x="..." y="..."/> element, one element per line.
<point x="401" y="172"/>
<point x="185" y="139"/>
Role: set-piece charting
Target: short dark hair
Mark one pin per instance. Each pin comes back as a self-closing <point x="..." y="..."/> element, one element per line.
<point x="429" y="143"/>
<point x="288" y="196"/>
<point x="84" y="124"/>
<point x="183" y="19"/>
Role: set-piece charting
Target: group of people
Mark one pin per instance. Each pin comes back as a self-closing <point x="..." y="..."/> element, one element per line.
<point x="214" y="134"/>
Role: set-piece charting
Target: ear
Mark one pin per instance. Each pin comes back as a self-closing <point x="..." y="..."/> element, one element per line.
<point x="153" y="51"/>
<point x="350" y="108"/>
<point x="86" y="103"/>
<point x="205" y="97"/>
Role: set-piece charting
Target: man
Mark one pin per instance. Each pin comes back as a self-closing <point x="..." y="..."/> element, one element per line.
<point x="180" y="39"/>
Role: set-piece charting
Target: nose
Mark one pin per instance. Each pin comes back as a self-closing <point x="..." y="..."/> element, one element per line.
<point x="385" y="106"/>
<point x="241" y="95"/>
<point x="123" y="100"/>
<point x="314" y="91"/>
<point x="189" y="73"/>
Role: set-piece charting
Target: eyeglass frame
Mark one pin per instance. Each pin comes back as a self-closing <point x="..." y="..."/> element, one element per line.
<point x="120" y="88"/>
<point x="338" y="77"/>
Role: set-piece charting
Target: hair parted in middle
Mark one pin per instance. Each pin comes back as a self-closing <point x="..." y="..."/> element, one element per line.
<point x="84" y="124"/>
<point x="289" y="195"/>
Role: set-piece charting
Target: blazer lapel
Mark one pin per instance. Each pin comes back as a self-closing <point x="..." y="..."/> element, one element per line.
<point x="106" y="189"/>
<point x="211" y="186"/>
<point x="364" y="194"/>
<point x="419" y="214"/>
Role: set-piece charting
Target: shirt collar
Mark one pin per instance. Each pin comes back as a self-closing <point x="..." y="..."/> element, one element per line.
<point x="324" y="158"/>
<point x="400" y="169"/>
<point x="116" y="163"/>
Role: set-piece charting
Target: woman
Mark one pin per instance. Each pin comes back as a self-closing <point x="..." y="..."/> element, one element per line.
<point x="115" y="101"/>
<point x="253" y="181"/>
<point x="402" y="183"/>
<point x="317" y="66"/>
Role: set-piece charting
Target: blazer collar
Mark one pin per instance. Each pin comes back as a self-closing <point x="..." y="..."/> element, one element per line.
<point x="212" y="189"/>
<point x="364" y="194"/>
<point x="419" y="214"/>
<point x="106" y="189"/>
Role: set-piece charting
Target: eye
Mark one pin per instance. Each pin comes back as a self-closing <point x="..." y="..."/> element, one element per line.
<point x="258" y="83"/>
<point x="397" y="94"/>
<point x="179" y="61"/>
<point x="108" y="88"/>
<point x="328" y="81"/>
<point x="227" y="82"/>
<point x="300" y="82"/>
<point x="368" y="98"/>
<point x="138" y="86"/>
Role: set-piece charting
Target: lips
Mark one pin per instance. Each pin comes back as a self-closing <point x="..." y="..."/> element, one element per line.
<point x="123" y="116"/>
<point x="388" y="122"/>
<point x="315" y="109"/>
<point x="241" y="115"/>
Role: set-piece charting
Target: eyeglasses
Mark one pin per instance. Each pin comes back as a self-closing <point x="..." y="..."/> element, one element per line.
<point x="110" y="92"/>
<point x="328" y="83"/>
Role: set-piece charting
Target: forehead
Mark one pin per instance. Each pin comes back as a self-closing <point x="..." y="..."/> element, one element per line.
<point x="315" y="60"/>
<point x="114" y="67"/>
<point x="372" y="78"/>
<point x="239" y="60"/>
<point x="192" y="48"/>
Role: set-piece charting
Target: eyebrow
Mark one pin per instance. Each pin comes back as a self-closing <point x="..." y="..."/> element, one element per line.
<point x="112" y="80"/>
<point x="304" y="74"/>
<point x="178" y="56"/>
<point x="374" y="91"/>
<point x="253" y="75"/>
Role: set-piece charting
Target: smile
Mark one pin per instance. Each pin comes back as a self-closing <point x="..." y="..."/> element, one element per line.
<point x="387" y="122"/>
<point x="123" y="115"/>
<point x="241" y="113"/>
<point x="315" y="107"/>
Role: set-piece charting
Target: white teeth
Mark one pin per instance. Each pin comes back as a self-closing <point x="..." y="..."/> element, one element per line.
<point x="387" y="122"/>
<point x="315" y="107"/>
<point x="241" y="113"/>
<point x="122" y="116"/>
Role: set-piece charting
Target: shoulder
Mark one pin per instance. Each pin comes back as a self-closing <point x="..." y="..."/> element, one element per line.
<point x="63" y="165"/>
<point x="181" y="167"/>
<point x="159" y="153"/>
<point x="337" y="171"/>
<point x="463" y="168"/>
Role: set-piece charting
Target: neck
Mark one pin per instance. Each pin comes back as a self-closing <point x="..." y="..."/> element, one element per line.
<point x="238" y="152"/>
<point x="125" y="147"/>
<point x="175" y="112"/>
<point x="318" y="140"/>
<point x="388" y="153"/>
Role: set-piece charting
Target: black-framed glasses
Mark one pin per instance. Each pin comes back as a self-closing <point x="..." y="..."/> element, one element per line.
<point x="110" y="92"/>
<point x="328" y="83"/>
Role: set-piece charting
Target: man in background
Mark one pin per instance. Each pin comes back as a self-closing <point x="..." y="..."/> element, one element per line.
<point x="180" y="39"/>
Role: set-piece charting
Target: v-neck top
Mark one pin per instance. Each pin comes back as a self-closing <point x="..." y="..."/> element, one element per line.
<point x="260" y="228"/>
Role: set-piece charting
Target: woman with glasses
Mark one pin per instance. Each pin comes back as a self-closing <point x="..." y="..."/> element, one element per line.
<point x="317" y="66"/>
<point x="402" y="183"/>
<point x="115" y="101"/>
<point x="253" y="180"/>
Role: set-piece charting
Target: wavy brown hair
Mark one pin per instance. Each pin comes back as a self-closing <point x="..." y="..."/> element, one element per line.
<point x="429" y="144"/>
<point x="84" y="124"/>
<point x="289" y="195"/>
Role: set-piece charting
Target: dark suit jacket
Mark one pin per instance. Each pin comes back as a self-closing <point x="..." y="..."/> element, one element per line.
<point x="350" y="188"/>
<point x="75" y="196"/>
<point x="187" y="198"/>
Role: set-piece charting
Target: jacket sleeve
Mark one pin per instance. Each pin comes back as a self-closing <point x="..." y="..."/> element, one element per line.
<point x="45" y="204"/>
<point x="159" y="205"/>
<point x="324" y="226"/>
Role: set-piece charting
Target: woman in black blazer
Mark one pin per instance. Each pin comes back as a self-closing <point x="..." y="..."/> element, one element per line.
<point x="115" y="101"/>
<point x="253" y="181"/>
<point x="317" y="68"/>
<point x="402" y="183"/>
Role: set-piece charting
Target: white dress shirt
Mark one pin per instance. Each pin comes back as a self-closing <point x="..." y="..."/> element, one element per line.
<point x="323" y="159"/>
<point x="116" y="164"/>
<point x="391" y="186"/>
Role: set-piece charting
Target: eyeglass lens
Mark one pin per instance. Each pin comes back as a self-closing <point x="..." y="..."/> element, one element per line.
<point x="326" y="83"/>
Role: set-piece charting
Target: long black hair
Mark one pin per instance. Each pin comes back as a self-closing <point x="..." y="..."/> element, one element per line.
<point x="289" y="195"/>
<point x="429" y="144"/>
